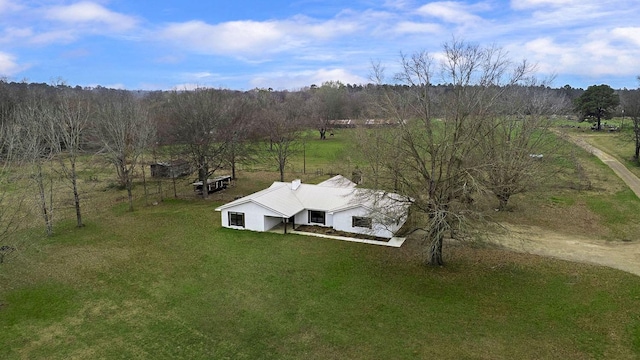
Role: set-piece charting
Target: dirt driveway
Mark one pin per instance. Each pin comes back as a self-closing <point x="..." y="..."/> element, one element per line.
<point x="534" y="240"/>
<point x="619" y="255"/>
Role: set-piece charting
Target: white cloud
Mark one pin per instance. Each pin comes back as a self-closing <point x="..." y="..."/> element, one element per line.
<point x="250" y="37"/>
<point x="8" y="65"/>
<point x="630" y="34"/>
<point x="63" y="24"/>
<point x="320" y="30"/>
<point x="201" y="75"/>
<point x="54" y="36"/>
<point x="397" y="4"/>
<point x="300" y="79"/>
<point x="13" y="34"/>
<point x="596" y="54"/>
<point x="529" y="4"/>
<point x="410" y="27"/>
<point x="230" y="37"/>
<point x="563" y="13"/>
<point x="450" y="11"/>
<point x="9" y="6"/>
<point x="90" y="13"/>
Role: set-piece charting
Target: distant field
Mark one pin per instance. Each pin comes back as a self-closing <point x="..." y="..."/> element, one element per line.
<point x="167" y="281"/>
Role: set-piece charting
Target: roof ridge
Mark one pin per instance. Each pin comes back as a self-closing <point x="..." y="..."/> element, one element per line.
<point x="250" y="197"/>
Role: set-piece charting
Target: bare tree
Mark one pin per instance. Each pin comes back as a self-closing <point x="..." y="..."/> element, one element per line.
<point x="516" y="139"/>
<point x="439" y="132"/>
<point x="125" y="130"/>
<point x="329" y="103"/>
<point x="34" y="129"/>
<point x="281" y="121"/>
<point x="10" y="206"/>
<point x="239" y="132"/>
<point x="202" y="123"/>
<point x="71" y="120"/>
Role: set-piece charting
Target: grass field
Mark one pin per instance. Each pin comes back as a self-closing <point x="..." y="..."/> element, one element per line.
<point x="166" y="281"/>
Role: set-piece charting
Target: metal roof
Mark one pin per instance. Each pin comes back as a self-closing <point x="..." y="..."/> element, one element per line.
<point x="280" y="197"/>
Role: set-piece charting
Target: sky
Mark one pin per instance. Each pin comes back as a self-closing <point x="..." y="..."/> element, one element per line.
<point x="278" y="44"/>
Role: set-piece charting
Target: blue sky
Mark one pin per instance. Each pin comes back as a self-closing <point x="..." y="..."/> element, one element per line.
<point x="242" y="44"/>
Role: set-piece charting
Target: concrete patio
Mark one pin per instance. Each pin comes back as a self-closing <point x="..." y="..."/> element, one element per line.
<point x="393" y="242"/>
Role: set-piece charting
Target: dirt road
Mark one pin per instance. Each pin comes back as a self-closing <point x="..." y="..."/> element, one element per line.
<point x="623" y="173"/>
<point x="619" y="255"/>
<point x="534" y="240"/>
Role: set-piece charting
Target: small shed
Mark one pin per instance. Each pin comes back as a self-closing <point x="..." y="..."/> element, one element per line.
<point x="171" y="169"/>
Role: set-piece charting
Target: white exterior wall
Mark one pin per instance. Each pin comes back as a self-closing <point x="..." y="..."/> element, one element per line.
<point x="342" y="221"/>
<point x="302" y="218"/>
<point x="258" y="218"/>
<point x="328" y="219"/>
<point x="254" y="216"/>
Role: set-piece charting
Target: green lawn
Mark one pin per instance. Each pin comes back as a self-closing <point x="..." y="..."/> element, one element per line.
<point x="168" y="282"/>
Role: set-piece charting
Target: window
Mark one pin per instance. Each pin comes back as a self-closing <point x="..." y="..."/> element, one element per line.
<point x="316" y="217"/>
<point x="236" y="219"/>
<point x="359" y="221"/>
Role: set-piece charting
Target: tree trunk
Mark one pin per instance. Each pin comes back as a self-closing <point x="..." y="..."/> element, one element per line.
<point x="437" y="229"/>
<point x="636" y="132"/>
<point x="281" y="169"/>
<point x="435" y="250"/>
<point x="503" y="200"/>
<point x="76" y="196"/>
<point x="202" y="175"/>
<point x="130" y="194"/>
<point x="173" y="177"/>
<point x="46" y="215"/>
<point x="175" y="189"/>
<point x="233" y="162"/>
<point x="159" y="180"/>
<point x="144" y="183"/>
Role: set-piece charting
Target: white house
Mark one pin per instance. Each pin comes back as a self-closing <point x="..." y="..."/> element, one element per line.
<point x="335" y="203"/>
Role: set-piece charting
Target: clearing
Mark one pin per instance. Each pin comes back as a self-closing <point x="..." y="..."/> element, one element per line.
<point x="535" y="240"/>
